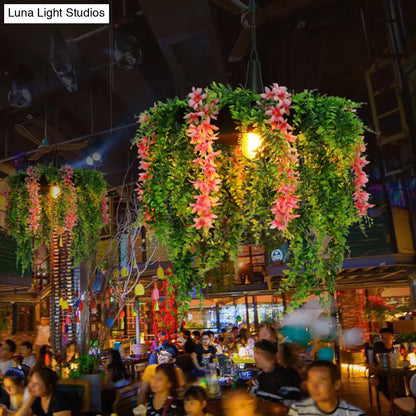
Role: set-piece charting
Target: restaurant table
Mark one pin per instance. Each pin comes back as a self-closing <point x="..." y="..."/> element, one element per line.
<point x="396" y="379"/>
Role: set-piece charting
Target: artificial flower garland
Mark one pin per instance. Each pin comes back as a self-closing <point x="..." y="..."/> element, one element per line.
<point x="278" y="104"/>
<point x="33" y="187"/>
<point x="32" y="214"/>
<point x="360" y="195"/>
<point x="201" y="133"/>
<point x="204" y="200"/>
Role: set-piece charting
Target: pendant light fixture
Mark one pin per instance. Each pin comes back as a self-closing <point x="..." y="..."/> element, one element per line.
<point x="254" y="79"/>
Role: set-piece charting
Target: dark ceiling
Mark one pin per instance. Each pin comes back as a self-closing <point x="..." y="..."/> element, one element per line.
<point x="304" y="44"/>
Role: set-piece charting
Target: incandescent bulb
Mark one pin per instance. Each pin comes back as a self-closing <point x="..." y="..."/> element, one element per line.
<point x="250" y="144"/>
<point x="55" y="191"/>
<point x="89" y="161"/>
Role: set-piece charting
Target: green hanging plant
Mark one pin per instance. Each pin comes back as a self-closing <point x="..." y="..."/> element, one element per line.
<point x="303" y="184"/>
<point x="45" y="200"/>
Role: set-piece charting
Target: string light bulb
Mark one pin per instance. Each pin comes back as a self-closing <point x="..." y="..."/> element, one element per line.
<point x="250" y="144"/>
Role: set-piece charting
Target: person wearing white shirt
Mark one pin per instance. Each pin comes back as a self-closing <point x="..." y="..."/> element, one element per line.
<point x="323" y="380"/>
<point x="27" y="351"/>
<point x="7" y="350"/>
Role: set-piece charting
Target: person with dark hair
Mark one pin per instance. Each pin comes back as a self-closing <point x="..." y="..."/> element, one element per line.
<point x="161" y="400"/>
<point x="116" y="375"/>
<point x="7" y="350"/>
<point x="196" y="401"/>
<point x="70" y="353"/>
<point x="274" y="382"/>
<point x="231" y="338"/>
<point x="14" y="383"/>
<point x="384" y="346"/>
<point x="45" y="358"/>
<point x="44" y="399"/>
<point x="27" y="351"/>
<point x="189" y="345"/>
<point x="323" y="380"/>
<point x="267" y="332"/>
<point x="205" y="352"/>
<point x="196" y="336"/>
<point x="166" y="355"/>
<point x="242" y="340"/>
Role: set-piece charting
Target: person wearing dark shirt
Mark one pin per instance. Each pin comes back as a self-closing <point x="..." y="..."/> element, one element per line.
<point x="44" y="399"/>
<point x="274" y="382"/>
<point x="205" y="352"/>
<point x="189" y="345"/>
<point x="384" y="346"/>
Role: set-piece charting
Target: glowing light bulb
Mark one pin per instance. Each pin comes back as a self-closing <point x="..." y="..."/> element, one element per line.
<point x="96" y="156"/>
<point x="55" y="191"/>
<point x="90" y="161"/>
<point x="250" y="144"/>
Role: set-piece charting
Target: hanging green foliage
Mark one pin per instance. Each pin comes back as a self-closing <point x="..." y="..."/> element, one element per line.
<point x="303" y="184"/>
<point x="45" y="199"/>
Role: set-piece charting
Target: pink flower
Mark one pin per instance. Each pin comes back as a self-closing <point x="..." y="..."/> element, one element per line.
<point x="204" y="221"/>
<point x="143" y="118"/>
<point x="196" y="97"/>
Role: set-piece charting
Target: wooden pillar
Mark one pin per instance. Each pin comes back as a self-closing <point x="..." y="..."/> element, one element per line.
<point x="284" y="301"/>
<point x="247" y="314"/>
<point x="217" y="314"/>
<point x="256" y="315"/>
<point x="136" y="305"/>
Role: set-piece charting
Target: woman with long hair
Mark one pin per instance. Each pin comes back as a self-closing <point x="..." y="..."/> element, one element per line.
<point x="117" y="376"/>
<point x="161" y="400"/>
<point x="45" y="358"/>
<point x="43" y="397"/>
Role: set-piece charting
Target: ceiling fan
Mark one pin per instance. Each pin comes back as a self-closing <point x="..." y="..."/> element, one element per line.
<point x="44" y="146"/>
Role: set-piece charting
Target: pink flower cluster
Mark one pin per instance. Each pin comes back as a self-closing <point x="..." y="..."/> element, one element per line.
<point x="33" y="187"/>
<point x="278" y="103"/>
<point x="360" y="196"/>
<point x="104" y="207"/>
<point x="71" y="209"/>
<point x="143" y="156"/>
<point x="201" y="132"/>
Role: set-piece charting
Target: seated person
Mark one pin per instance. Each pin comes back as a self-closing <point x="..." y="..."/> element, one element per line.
<point x="45" y="358"/>
<point x="196" y="401"/>
<point x="43" y="394"/>
<point x="27" y="351"/>
<point x="205" y="352"/>
<point x="189" y="344"/>
<point x="384" y="346"/>
<point x="7" y="350"/>
<point x="196" y="336"/>
<point x="166" y="355"/>
<point x="323" y="381"/>
<point x="15" y="385"/>
<point x="274" y="382"/>
<point x="116" y="375"/>
<point x="161" y="399"/>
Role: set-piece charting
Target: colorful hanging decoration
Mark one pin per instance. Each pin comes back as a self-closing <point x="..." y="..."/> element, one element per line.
<point x="70" y="202"/>
<point x="139" y="290"/>
<point x="164" y="311"/>
<point x="204" y="198"/>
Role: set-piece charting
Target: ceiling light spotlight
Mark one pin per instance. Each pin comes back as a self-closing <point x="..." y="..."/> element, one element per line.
<point x="19" y="96"/>
<point x="96" y="156"/>
<point x="127" y="53"/>
<point x="90" y="161"/>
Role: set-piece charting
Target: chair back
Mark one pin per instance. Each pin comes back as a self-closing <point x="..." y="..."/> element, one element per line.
<point x="411" y="383"/>
<point x="80" y="392"/>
